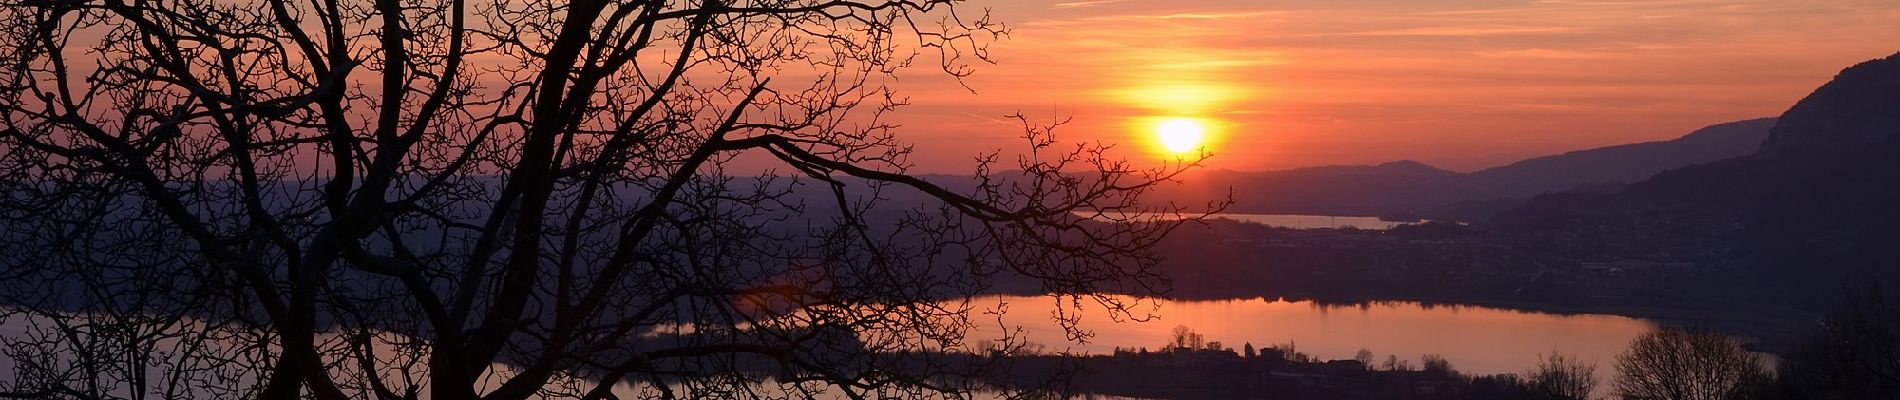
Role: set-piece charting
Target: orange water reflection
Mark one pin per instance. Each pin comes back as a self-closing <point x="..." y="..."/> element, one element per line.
<point x="1475" y="339"/>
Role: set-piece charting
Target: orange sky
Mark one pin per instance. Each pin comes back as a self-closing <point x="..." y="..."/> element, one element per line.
<point x="1461" y="84"/>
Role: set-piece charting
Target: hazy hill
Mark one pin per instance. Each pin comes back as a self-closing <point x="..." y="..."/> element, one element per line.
<point x="1828" y="175"/>
<point x="1815" y="204"/>
<point x="1616" y="164"/>
<point x="1337" y="190"/>
<point x="1409" y="187"/>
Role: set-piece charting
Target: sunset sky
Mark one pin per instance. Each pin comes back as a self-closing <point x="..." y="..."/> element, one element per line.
<point x="1462" y="85"/>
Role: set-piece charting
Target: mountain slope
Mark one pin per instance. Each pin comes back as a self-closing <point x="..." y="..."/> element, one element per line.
<point x="1815" y="205"/>
<point x="1408" y="187"/>
<point x="1617" y="164"/>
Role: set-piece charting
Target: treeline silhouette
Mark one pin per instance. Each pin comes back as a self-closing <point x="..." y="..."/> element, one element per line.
<point x="1854" y="355"/>
<point x="1851" y="355"/>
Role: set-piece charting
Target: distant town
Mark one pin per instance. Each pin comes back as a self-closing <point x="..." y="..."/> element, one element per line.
<point x="1453" y="263"/>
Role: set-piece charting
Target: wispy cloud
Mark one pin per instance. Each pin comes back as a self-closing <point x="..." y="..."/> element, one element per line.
<point x="1081" y="4"/>
<point x="1619" y="3"/>
<point x="1472" y="12"/>
<point x="1553" y="54"/>
<point x="1244" y="16"/>
<point x="1469" y="30"/>
<point x="1328" y="81"/>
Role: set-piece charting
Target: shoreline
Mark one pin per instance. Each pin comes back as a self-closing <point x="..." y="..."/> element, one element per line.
<point x="1767" y="329"/>
<point x="1769" y="332"/>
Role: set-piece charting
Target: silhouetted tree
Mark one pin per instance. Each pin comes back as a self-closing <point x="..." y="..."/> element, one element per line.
<point x="507" y="199"/>
<point x="1436" y="364"/>
<point x="1688" y="364"/>
<point x="1393" y="363"/>
<point x="1561" y="377"/>
<point x="1291" y="352"/>
<point x="1364" y="356"/>
<point x="1855" y="355"/>
<point x="1500" y="387"/>
<point x="1185" y="338"/>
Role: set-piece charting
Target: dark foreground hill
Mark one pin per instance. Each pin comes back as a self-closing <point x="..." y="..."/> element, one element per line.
<point x="1817" y="204"/>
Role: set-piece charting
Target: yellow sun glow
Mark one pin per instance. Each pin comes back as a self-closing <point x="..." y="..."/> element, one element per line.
<point x="1180" y="135"/>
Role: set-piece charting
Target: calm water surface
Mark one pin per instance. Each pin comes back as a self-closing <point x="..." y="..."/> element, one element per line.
<point x="1302" y="221"/>
<point x="1312" y="221"/>
<point x="1475" y="339"/>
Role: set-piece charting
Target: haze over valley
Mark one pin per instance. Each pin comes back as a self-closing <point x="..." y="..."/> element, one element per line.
<point x="805" y="199"/>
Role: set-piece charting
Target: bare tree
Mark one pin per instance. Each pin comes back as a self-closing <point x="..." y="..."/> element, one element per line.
<point x="1185" y="338"/>
<point x="1436" y="364"/>
<point x="1561" y="377"/>
<point x="514" y="198"/>
<point x="1688" y="364"/>
<point x="1393" y="363"/>
<point x="1855" y="354"/>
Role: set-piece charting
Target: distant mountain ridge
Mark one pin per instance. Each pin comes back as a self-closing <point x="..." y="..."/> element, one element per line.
<point x="1411" y="187"/>
<point x="1820" y="201"/>
<point x="1619" y="164"/>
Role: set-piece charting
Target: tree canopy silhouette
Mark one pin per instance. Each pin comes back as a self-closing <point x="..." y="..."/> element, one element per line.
<point x="1688" y="364"/>
<point x="509" y="198"/>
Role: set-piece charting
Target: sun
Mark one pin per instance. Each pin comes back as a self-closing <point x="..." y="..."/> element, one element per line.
<point x="1181" y="135"/>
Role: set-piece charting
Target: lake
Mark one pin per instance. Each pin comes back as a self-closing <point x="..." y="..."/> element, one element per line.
<point x="1301" y="221"/>
<point x="1475" y="339"/>
<point x="1313" y="221"/>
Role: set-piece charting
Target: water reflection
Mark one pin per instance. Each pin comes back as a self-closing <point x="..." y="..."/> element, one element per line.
<point x="1475" y="339"/>
<point x="1283" y="220"/>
